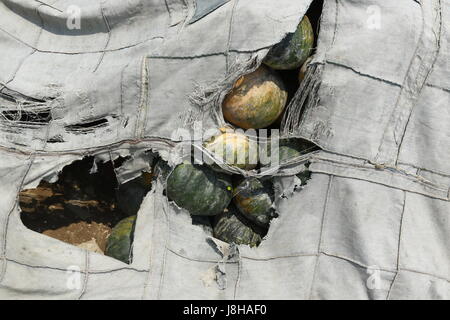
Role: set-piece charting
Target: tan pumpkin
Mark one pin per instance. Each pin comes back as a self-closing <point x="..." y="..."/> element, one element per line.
<point x="256" y="100"/>
<point x="234" y="149"/>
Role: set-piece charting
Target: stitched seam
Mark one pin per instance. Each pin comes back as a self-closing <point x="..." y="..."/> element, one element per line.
<point x="425" y="273"/>
<point x="164" y="257"/>
<point x="338" y="64"/>
<point x="65" y="270"/>
<point x="432" y="196"/>
<point x="139" y="130"/>
<point x="151" y="255"/>
<point x="238" y="278"/>
<point x="319" y="249"/>
<point x="6" y="224"/>
<point x="108" y="38"/>
<point x="398" y="247"/>
<point x="230" y="35"/>
<point x="86" y="275"/>
<point x="397" y="172"/>
<point x="359" y="264"/>
<point x="429" y="70"/>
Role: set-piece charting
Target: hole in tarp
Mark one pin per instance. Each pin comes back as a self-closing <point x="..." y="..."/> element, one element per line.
<point x="243" y="214"/>
<point x="25" y="109"/>
<point x="87" y="126"/>
<point x="291" y="77"/>
<point x="85" y="206"/>
<point x="28" y="116"/>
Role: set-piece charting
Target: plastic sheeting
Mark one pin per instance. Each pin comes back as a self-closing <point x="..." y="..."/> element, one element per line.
<point x="373" y="221"/>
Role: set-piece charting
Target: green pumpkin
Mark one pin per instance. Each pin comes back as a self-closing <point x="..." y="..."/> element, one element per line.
<point x="131" y="194"/>
<point x="199" y="189"/>
<point x="230" y="227"/>
<point x="256" y="100"/>
<point x="289" y="149"/>
<point x="254" y="199"/>
<point x="120" y="240"/>
<point x="294" y="49"/>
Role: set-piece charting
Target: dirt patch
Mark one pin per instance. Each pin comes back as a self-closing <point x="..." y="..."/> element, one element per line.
<point x="83" y="206"/>
<point x="83" y="233"/>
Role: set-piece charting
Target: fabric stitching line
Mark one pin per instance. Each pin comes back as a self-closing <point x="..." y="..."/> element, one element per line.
<point x="86" y="275"/>
<point x="319" y="249"/>
<point x="425" y="273"/>
<point x="197" y="260"/>
<point x="151" y="254"/>
<point x="437" y="87"/>
<point x="359" y="264"/>
<point x="336" y="15"/>
<point x="295" y="255"/>
<point x="94" y="272"/>
<point x="197" y="56"/>
<point x="363" y="74"/>
<point x="83" y="52"/>
<point x="34" y="49"/>
<point x="398" y="247"/>
<point x="6" y="224"/>
<point x="432" y="196"/>
<point x="142" y="99"/>
<point x="441" y="174"/>
<point x="429" y="70"/>
<point x="230" y="35"/>
<point x="397" y="116"/>
<point x="107" y="39"/>
<point x="412" y="178"/>
<point x="238" y="277"/>
<point x="122" y="114"/>
<point x="394" y="111"/>
<point x="433" y="171"/>
<point x="165" y="249"/>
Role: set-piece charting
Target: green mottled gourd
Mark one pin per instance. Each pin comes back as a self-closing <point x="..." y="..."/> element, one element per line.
<point x="120" y="240"/>
<point x="294" y="49"/>
<point x="199" y="189"/>
<point x="254" y="199"/>
<point x="289" y="149"/>
<point x="232" y="228"/>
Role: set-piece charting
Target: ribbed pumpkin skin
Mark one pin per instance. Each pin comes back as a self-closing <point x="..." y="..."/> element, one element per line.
<point x="199" y="189"/>
<point x="230" y="228"/>
<point x="120" y="240"/>
<point x="292" y="148"/>
<point x="235" y="150"/>
<point x="254" y="200"/>
<point x="256" y="100"/>
<point x="294" y="49"/>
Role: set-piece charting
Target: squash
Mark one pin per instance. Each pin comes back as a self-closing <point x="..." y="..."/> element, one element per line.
<point x="254" y="199"/>
<point x="199" y="189"/>
<point x="291" y="148"/>
<point x="230" y="227"/>
<point x="256" y="100"/>
<point x="131" y="194"/>
<point x="121" y="239"/>
<point x="235" y="149"/>
<point x="294" y="49"/>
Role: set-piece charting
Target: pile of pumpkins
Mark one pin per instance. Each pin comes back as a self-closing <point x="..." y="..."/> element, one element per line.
<point x="240" y="208"/>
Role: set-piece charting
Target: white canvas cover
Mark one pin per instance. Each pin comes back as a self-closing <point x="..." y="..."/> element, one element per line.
<point x="373" y="221"/>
